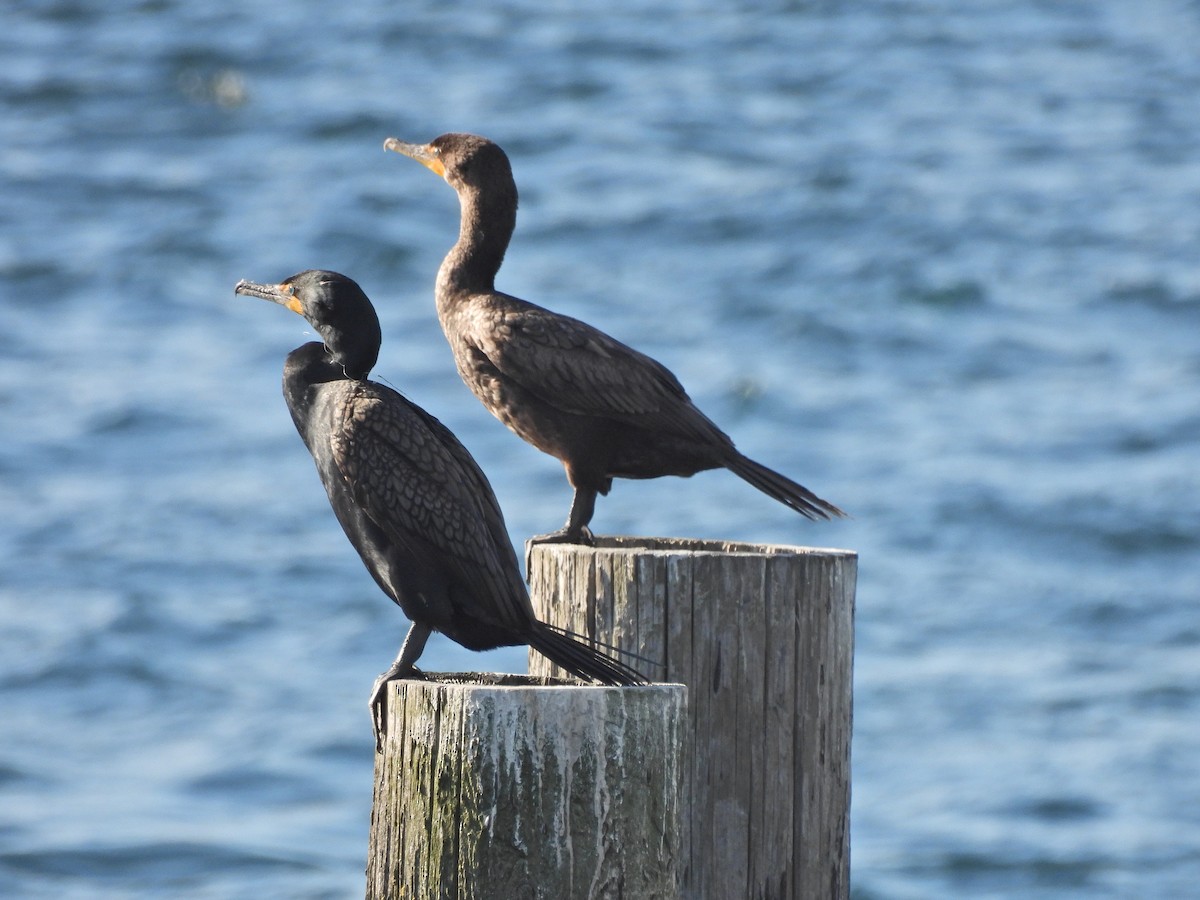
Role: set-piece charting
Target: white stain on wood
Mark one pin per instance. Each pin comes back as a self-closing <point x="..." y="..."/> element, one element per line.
<point x="515" y="787"/>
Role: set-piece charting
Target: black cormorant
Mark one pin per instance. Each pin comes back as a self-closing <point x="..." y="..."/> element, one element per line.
<point x="412" y="500"/>
<point x="602" y="408"/>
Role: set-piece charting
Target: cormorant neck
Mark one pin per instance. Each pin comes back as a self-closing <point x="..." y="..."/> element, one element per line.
<point x="352" y="336"/>
<point x="318" y="363"/>
<point x="354" y="359"/>
<point x="486" y="227"/>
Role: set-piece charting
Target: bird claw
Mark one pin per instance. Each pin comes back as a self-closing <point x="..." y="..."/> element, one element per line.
<point x="379" y="702"/>
<point x="565" y="535"/>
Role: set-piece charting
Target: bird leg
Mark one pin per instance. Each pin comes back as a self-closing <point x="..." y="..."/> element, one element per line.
<point x="576" y="530"/>
<point x="410" y="652"/>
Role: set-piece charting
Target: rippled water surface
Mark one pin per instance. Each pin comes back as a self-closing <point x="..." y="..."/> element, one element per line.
<point x="937" y="260"/>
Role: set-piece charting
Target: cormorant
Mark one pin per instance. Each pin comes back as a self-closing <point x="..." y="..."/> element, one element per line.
<point x="411" y="499"/>
<point x="602" y="408"/>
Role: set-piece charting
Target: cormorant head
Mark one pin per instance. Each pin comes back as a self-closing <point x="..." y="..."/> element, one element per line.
<point x="466" y="161"/>
<point x="336" y="307"/>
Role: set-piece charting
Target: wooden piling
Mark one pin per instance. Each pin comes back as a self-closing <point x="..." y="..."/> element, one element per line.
<point x="515" y="788"/>
<point x="763" y="637"/>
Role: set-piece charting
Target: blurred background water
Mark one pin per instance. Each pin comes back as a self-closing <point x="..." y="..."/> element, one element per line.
<point x="936" y="260"/>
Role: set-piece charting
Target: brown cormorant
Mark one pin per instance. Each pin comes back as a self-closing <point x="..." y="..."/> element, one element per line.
<point x="411" y="499"/>
<point x="602" y="408"/>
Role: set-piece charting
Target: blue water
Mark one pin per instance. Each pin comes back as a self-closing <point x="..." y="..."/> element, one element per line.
<point x="940" y="261"/>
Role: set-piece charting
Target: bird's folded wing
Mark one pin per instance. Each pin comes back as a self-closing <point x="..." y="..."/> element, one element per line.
<point x="579" y="369"/>
<point x="421" y="487"/>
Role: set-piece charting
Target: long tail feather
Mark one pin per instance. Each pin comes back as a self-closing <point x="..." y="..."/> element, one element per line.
<point x="609" y="649"/>
<point x="581" y="660"/>
<point x="783" y="489"/>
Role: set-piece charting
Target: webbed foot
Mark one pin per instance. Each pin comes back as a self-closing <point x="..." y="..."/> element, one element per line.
<point x="565" y="535"/>
<point x="379" y="700"/>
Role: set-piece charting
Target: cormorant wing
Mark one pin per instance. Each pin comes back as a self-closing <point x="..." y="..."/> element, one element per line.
<point x="422" y="488"/>
<point x="579" y="369"/>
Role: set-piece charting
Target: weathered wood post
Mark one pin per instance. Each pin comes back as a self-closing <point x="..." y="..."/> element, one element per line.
<point x="763" y="637"/>
<point x="513" y="788"/>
